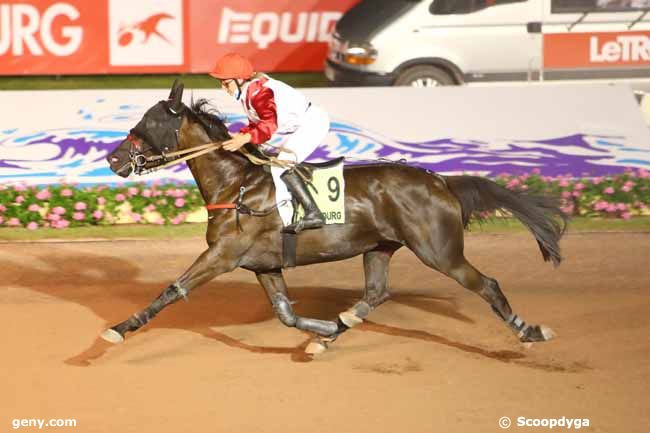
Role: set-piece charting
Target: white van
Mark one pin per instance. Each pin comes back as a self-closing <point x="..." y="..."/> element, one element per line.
<point x="445" y="42"/>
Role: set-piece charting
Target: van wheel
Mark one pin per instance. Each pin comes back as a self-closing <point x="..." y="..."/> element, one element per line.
<point x="424" y="76"/>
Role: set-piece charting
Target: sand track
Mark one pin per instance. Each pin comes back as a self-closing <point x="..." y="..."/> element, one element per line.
<point x="433" y="359"/>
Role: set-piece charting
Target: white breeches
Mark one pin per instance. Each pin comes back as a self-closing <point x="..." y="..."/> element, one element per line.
<point x="303" y="142"/>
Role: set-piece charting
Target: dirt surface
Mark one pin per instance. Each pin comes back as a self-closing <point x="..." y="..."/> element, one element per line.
<point x="433" y="359"/>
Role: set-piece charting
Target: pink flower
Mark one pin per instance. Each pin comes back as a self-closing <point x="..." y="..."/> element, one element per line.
<point x="61" y="224"/>
<point x="564" y="183"/>
<point x="66" y="192"/>
<point x="146" y="193"/>
<point x="2" y="219"/>
<point x="567" y="209"/>
<point x="20" y="199"/>
<point x="19" y="187"/>
<point x="132" y="191"/>
<point x="150" y="208"/>
<point x="576" y="194"/>
<point x="566" y="194"/>
<point x="579" y="186"/>
<point x="612" y="207"/>
<point x="78" y="216"/>
<point x="2" y="208"/>
<point x="513" y="183"/>
<point x="80" y="205"/>
<point x="46" y="224"/>
<point x="34" y="207"/>
<point x="596" y="180"/>
<point x="179" y="202"/>
<point x="621" y="206"/>
<point x="13" y="222"/>
<point x="32" y="226"/>
<point x="43" y="194"/>
<point x="136" y="217"/>
<point x="53" y="217"/>
<point x="101" y="201"/>
<point x="179" y="218"/>
<point x="609" y="190"/>
<point x="536" y="171"/>
<point x="626" y="215"/>
<point x="601" y="205"/>
<point x="59" y="210"/>
<point x="120" y="197"/>
<point x="98" y="214"/>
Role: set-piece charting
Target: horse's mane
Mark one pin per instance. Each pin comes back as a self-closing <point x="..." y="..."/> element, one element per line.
<point x="210" y="118"/>
<point x="214" y="124"/>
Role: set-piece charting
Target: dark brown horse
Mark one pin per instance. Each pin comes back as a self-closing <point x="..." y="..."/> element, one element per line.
<point x="387" y="206"/>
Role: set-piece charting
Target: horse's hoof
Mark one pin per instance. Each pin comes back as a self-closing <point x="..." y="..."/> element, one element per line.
<point x="316" y="347"/>
<point x="112" y="336"/>
<point x="534" y="334"/>
<point x="547" y="332"/>
<point x="350" y="319"/>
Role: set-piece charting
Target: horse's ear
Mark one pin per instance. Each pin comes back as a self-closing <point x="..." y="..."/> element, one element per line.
<point x="176" y="95"/>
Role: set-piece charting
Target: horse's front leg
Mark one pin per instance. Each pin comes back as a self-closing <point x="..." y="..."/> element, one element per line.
<point x="216" y="260"/>
<point x="276" y="289"/>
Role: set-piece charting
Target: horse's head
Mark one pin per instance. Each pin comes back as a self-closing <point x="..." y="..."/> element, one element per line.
<point x="156" y="134"/>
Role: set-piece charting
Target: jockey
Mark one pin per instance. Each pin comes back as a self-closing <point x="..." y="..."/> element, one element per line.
<point x="276" y="110"/>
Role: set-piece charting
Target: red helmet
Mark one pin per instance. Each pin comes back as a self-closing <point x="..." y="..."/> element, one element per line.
<point x="232" y="65"/>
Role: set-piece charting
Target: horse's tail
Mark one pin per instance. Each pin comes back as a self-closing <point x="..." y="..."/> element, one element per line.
<point x="540" y="214"/>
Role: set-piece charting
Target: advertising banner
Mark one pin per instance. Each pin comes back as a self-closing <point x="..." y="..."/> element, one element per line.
<point x="597" y="50"/>
<point x="52" y="37"/>
<point x="153" y="36"/>
<point x="277" y="35"/>
<point x="487" y="130"/>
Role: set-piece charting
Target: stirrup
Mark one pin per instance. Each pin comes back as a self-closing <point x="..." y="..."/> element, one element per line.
<point x="301" y="225"/>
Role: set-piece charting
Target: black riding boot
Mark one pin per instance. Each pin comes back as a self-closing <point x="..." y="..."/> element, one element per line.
<point x="313" y="218"/>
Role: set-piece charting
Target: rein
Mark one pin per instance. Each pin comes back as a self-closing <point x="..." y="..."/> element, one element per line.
<point x="191" y="153"/>
<point x="139" y="160"/>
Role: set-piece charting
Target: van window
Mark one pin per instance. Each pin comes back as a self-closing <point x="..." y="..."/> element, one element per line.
<point x="573" y="6"/>
<point x="448" y="7"/>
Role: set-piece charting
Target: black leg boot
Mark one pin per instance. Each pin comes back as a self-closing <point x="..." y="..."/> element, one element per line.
<point x="313" y="218"/>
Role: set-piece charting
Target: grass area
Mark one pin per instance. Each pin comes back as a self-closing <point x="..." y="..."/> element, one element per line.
<point x="186" y="231"/>
<point x="191" y="81"/>
<point x="580" y="224"/>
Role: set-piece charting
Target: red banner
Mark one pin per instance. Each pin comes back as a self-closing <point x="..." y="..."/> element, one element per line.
<point x="277" y="35"/>
<point x="52" y="37"/>
<point x="149" y="36"/>
<point x="597" y="50"/>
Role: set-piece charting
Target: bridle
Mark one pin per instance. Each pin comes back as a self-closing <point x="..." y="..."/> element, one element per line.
<point x="139" y="160"/>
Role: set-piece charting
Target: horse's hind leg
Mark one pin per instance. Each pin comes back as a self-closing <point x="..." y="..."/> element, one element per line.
<point x="375" y="266"/>
<point x="442" y="249"/>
